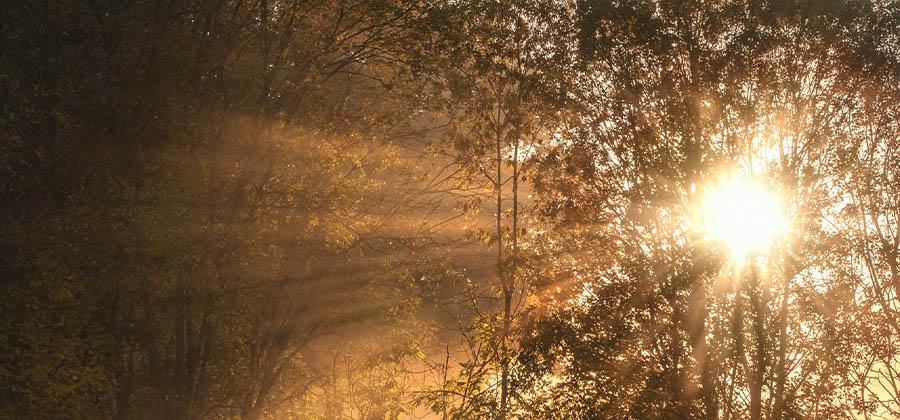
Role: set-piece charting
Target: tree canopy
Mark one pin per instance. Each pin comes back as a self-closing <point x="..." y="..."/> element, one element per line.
<point x="366" y="209"/>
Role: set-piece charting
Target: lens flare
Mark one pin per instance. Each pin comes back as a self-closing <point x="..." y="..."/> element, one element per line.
<point x="743" y="214"/>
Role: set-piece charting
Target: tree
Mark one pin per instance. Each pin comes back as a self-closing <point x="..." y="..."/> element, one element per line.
<point x="499" y="89"/>
<point x="191" y="170"/>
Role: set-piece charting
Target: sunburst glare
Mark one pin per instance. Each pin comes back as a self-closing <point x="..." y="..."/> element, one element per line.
<point x="742" y="213"/>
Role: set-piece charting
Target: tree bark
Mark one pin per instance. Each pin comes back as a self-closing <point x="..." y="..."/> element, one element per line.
<point x="504" y="366"/>
<point x="756" y="382"/>
<point x="781" y="372"/>
<point x="697" y="333"/>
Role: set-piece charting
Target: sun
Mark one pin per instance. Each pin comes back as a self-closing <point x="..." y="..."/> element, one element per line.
<point x="743" y="214"/>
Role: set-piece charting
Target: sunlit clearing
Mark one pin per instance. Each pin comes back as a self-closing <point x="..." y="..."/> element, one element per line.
<point x="743" y="214"/>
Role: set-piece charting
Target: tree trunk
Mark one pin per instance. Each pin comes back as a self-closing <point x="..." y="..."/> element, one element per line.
<point x="504" y="365"/>
<point x="697" y="332"/>
<point x="756" y="382"/>
<point x="781" y="373"/>
<point x="510" y="282"/>
<point x="740" y="353"/>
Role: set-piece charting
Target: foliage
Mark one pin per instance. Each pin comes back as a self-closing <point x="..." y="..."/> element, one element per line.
<point x="379" y="209"/>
